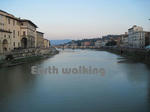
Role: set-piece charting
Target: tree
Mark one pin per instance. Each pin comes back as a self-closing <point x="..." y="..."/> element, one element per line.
<point x="111" y="43"/>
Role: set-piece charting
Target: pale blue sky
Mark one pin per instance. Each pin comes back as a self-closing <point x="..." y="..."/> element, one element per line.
<point x="76" y="19"/>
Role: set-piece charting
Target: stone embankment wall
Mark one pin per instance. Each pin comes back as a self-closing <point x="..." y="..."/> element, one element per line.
<point x="25" y="55"/>
<point x="30" y="52"/>
<point x="135" y="54"/>
<point x="2" y="56"/>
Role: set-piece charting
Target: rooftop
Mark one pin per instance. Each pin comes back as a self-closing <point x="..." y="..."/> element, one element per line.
<point x="26" y="20"/>
<point x="40" y="32"/>
<point x="13" y="17"/>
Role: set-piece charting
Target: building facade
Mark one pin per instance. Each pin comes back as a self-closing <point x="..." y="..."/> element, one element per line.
<point x="17" y="33"/>
<point x="28" y="34"/>
<point x="136" y="37"/>
<point x="40" y="39"/>
<point x="124" y="39"/>
<point x="147" y="38"/>
<point x="87" y="43"/>
<point x="98" y="43"/>
<point x="9" y="32"/>
<point x="46" y="43"/>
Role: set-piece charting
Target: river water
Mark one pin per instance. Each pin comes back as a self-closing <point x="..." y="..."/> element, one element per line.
<point x="121" y="85"/>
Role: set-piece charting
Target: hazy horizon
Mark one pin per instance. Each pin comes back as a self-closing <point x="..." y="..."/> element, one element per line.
<point x="79" y="19"/>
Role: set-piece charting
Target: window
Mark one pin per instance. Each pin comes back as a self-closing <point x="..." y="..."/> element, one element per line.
<point x="14" y="22"/>
<point x="14" y="44"/>
<point x="1" y="22"/>
<point x="24" y="33"/>
<point x="14" y="33"/>
<point x="18" y="33"/>
<point x="8" y="20"/>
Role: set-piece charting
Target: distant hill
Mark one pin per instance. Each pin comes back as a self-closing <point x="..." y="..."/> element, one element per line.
<point x="58" y="42"/>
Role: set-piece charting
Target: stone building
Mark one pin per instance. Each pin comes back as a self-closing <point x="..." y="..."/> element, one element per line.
<point x="9" y="32"/>
<point x="46" y="43"/>
<point x="5" y="41"/>
<point x="28" y="34"/>
<point x="98" y="43"/>
<point x="122" y="41"/>
<point x="40" y="39"/>
<point x="87" y="43"/>
<point x="17" y="33"/>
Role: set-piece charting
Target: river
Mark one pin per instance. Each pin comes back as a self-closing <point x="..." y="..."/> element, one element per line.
<point x="121" y="85"/>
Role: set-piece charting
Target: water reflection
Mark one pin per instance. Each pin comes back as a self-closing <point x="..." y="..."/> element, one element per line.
<point x="125" y="86"/>
<point x="148" y="89"/>
<point x="148" y="93"/>
<point x="14" y="78"/>
<point x="138" y="73"/>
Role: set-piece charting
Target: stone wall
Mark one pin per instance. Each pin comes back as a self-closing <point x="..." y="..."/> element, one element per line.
<point x="135" y="54"/>
<point x="17" y="57"/>
<point x="2" y="57"/>
<point x="31" y="52"/>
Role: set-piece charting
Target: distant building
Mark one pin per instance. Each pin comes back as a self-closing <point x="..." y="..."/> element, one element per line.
<point x="98" y="43"/>
<point x="82" y="43"/>
<point x="109" y="37"/>
<point x="123" y="40"/>
<point x="136" y="37"/>
<point x="119" y="41"/>
<point x="87" y="43"/>
<point x="73" y="43"/>
<point x="104" y="42"/>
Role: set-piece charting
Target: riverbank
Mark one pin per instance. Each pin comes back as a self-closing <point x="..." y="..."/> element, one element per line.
<point x="140" y="55"/>
<point x="18" y="57"/>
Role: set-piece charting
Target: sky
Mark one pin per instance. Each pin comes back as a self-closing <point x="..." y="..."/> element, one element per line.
<point x="79" y="19"/>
